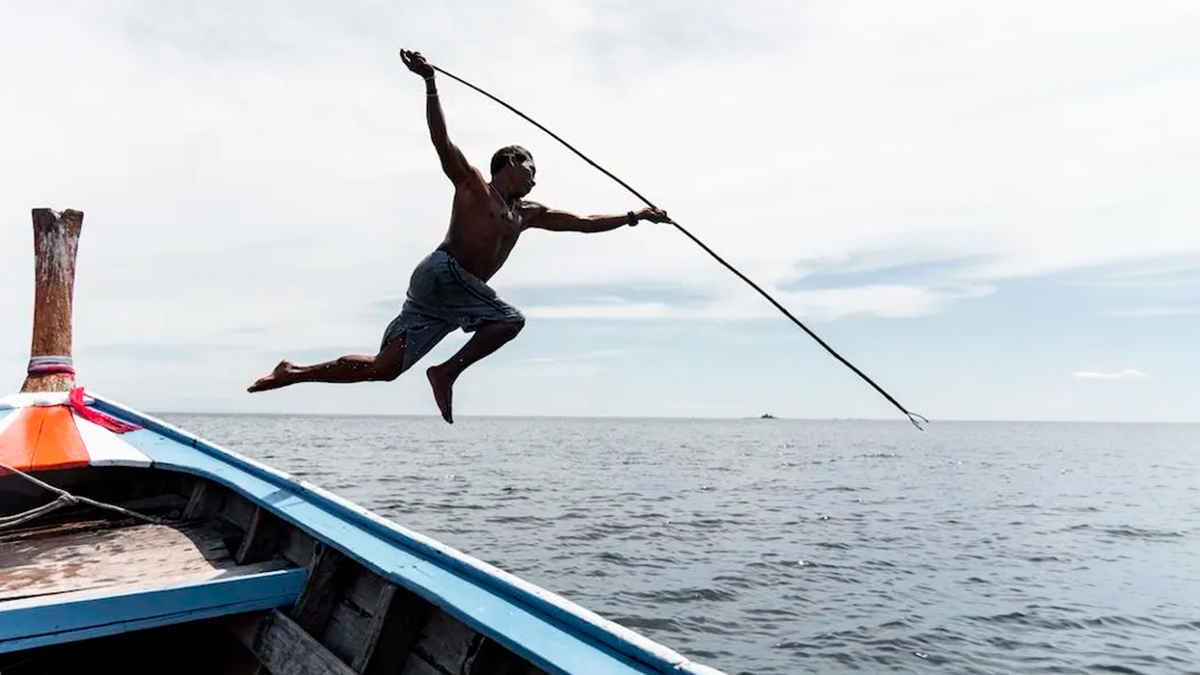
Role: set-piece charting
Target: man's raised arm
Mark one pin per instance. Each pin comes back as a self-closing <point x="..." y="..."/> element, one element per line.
<point x="454" y="164"/>
<point x="545" y="218"/>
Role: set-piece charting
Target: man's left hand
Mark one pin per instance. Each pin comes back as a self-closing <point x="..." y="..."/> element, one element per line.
<point x="653" y="215"/>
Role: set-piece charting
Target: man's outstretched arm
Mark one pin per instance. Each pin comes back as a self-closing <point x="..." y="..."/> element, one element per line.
<point x="454" y="163"/>
<point x="545" y="218"/>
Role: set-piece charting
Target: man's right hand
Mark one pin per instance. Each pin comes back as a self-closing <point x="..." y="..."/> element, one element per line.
<point x="416" y="63"/>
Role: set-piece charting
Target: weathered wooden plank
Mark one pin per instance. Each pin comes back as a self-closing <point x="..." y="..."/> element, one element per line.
<point x="170" y="504"/>
<point x="237" y="510"/>
<point x="364" y="590"/>
<point x="402" y="626"/>
<point x="297" y="546"/>
<point x="205" y="500"/>
<point x="284" y="648"/>
<point x="262" y="537"/>
<point x="177" y="482"/>
<point x="347" y="629"/>
<point x="145" y="482"/>
<point x="328" y="575"/>
<point x="363" y="614"/>
<point x="445" y="642"/>
<point x="98" y="558"/>
<point x="42" y="529"/>
<point x="492" y="658"/>
<point x="379" y="615"/>
<point x="239" y="660"/>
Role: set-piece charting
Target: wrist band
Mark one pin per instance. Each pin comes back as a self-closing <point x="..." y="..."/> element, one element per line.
<point x="632" y="218"/>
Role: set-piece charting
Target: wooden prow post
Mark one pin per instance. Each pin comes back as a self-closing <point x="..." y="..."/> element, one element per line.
<point x="55" y="244"/>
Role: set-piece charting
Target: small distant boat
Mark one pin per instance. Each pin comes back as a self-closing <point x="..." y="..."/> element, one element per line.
<point x="128" y="545"/>
<point x="767" y="416"/>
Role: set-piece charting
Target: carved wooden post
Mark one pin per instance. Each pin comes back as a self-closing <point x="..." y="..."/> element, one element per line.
<point x="55" y="244"/>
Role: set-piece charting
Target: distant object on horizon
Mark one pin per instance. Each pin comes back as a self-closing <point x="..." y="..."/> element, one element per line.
<point x="767" y="416"/>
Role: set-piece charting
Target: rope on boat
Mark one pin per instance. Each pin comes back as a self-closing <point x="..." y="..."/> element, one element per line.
<point x="64" y="499"/>
<point x="912" y="417"/>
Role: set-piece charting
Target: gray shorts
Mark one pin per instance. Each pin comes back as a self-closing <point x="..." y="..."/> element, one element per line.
<point x="442" y="296"/>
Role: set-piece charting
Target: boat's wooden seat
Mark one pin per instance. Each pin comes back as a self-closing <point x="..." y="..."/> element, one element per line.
<point x="89" y="579"/>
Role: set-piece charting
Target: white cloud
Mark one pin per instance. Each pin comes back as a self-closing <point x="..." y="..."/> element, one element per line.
<point x="1128" y="373"/>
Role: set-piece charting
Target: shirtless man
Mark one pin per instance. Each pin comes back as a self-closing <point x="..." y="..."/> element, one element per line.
<point x="448" y="289"/>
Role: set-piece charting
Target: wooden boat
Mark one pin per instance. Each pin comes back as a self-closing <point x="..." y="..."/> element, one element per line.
<point x="128" y="545"/>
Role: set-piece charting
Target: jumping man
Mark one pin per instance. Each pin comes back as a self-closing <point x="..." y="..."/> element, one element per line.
<point x="448" y="289"/>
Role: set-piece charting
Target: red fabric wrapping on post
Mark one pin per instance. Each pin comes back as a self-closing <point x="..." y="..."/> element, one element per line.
<point x="95" y="416"/>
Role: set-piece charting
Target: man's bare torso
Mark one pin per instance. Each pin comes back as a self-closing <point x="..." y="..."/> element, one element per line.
<point x="481" y="234"/>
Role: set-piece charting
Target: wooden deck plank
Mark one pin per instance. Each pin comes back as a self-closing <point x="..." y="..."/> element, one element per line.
<point x="101" y="557"/>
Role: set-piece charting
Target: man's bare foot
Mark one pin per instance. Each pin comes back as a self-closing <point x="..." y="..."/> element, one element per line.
<point x="280" y="377"/>
<point x="443" y="390"/>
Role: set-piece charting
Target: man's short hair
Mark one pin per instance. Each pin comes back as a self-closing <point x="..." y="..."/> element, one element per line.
<point x="510" y="154"/>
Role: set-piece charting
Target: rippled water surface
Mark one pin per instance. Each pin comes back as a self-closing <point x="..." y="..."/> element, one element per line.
<point x="776" y="546"/>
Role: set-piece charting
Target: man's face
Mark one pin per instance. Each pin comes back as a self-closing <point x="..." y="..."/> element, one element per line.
<point x="523" y="173"/>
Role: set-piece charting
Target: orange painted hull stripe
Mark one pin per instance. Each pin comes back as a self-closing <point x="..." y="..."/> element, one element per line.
<point x="42" y="438"/>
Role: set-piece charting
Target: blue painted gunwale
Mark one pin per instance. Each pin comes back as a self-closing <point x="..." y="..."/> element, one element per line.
<point x="551" y="632"/>
<point x="45" y="620"/>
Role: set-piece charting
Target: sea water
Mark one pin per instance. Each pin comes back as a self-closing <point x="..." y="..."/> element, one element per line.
<point x="785" y="547"/>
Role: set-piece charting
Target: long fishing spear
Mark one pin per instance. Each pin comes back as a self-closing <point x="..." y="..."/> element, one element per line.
<point x="912" y="417"/>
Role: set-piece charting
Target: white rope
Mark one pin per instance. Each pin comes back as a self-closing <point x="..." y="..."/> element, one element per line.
<point x="17" y="519"/>
<point x="64" y="499"/>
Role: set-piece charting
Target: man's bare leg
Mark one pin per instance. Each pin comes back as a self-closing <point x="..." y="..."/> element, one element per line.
<point x="486" y="340"/>
<point x="385" y="366"/>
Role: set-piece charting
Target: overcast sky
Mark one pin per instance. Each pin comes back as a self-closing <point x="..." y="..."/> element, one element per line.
<point x="992" y="209"/>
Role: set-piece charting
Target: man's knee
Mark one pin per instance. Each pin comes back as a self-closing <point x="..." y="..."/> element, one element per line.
<point x="389" y="362"/>
<point x="388" y="369"/>
<point x="387" y="374"/>
<point x="511" y="326"/>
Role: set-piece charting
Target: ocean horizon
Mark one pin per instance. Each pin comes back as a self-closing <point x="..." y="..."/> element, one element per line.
<point x="533" y="416"/>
